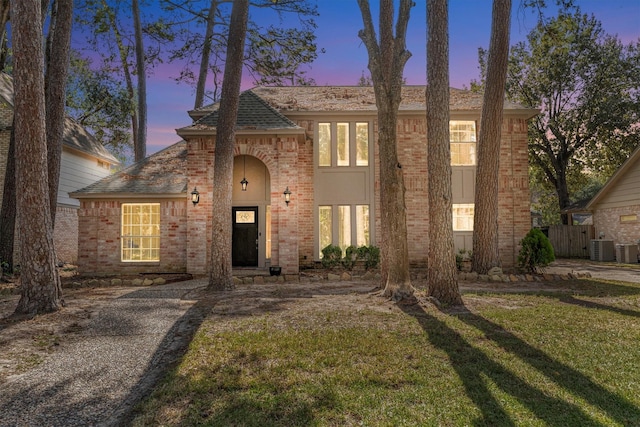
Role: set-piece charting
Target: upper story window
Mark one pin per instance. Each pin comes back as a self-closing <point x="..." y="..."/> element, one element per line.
<point x="463" y="142"/>
<point x="342" y="144"/>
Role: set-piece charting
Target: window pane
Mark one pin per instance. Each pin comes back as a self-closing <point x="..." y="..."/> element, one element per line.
<point x="140" y="232"/>
<point x="362" y="225"/>
<point x="343" y="144"/>
<point x="324" y="144"/>
<point x="267" y="232"/>
<point x="362" y="144"/>
<point x="325" y="238"/>
<point x="463" y="217"/>
<point x="463" y="142"/>
<point x="344" y="227"/>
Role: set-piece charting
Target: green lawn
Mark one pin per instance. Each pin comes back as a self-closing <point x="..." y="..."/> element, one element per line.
<point x="560" y="358"/>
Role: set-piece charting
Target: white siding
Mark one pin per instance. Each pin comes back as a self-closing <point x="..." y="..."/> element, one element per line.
<point x="76" y="172"/>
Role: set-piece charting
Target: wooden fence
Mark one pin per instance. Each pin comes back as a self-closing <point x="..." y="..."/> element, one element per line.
<point x="571" y="241"/>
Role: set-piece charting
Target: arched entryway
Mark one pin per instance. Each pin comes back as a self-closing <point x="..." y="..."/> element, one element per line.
<point x="251" y="213"/>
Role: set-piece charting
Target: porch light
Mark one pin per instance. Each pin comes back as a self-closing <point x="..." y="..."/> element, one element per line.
<point x="244" y="181"/>
<point x="195" y="196"/>
<point x="287" y="196"/>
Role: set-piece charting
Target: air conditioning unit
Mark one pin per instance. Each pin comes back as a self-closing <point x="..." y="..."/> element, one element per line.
<point x="602" y="250"/>
<point x="627" y="254"/>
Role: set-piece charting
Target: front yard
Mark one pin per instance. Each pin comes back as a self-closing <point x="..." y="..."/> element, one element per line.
<point x="563" y="353"/>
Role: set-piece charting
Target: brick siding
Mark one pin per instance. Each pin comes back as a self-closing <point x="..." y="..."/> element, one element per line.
<point x="65" y="234"/>
<point x="608" y="222"/>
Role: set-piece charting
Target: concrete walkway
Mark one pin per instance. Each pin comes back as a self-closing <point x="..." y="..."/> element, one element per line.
<point x="96" y="380"/>
<point x="599" y="270"/>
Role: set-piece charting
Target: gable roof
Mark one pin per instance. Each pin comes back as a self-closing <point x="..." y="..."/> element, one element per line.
<point x="161" y="174"/>
<point x="632" y="161"/>
<point x="75" y="136"/>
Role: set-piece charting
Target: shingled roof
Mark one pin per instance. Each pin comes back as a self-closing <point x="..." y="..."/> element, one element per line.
<point x="254" y="114"/>
<point x="75" y="136"/>
<point x="162" y="173"/>
<point x="286" y="99"/>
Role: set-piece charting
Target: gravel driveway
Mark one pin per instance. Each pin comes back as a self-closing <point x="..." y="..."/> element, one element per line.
<point x="116" y="360"/>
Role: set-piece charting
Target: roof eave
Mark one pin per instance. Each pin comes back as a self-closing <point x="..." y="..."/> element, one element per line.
<point x="614" y="178"/>
<point x="187" y="132"/>
<point x="128" y="196"/>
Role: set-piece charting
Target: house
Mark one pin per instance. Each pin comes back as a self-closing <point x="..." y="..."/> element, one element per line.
<point x="83" y="161"/>
<point x="309" y="158"/>
<point x="616" y="207"/>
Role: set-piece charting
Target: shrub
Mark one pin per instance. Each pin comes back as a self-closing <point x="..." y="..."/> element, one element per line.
<point x="536" y="251"/>
<point x="461" y="256"/>
<point x="331" y="256"/>
<point x="370" y="255"/>
<point x="351" y="254"/>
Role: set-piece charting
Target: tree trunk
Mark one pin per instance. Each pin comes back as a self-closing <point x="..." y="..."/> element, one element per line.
<point x="206" y="55"/>
<point x="8" y="213"/>
<point x="485" y="221"/>
<point x="563" y="194"/>
<point x="386" y="64"/>
<point x="4" y="19"/>
<point x="221" y="277"/>
<point x="40" y="283"/>
<point x="57" y="60"/>
<point x="123" y="51"/>
<point x="140" y="147"/>
<point x="442" y="276"/>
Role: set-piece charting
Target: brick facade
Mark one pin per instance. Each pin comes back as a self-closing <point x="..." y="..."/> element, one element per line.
<point x="289" y="160"/>
<point x="607" y="221"/>
<point x="65" y="234"/>
<point x="99" y="238"/>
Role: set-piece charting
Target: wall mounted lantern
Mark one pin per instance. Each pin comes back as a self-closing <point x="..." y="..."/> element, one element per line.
<point x="287" y="196"/>
<point x="195" y="196"/>
<point x="244" y="181"/>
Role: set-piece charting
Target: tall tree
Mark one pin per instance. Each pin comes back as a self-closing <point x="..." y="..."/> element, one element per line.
<point x="206" y="54"/>
<point x="387" y="59"/>
<point x="4" y="19"/>
<point x="57" y="66"/>
<point x="485" y="220"/>
<point x="587" y="85"/>
<point x="220" y="277"/>
<point x="100" y="103"/>
<point x="140" y="146"/>
<point x="8" y="212"/>
<point x="442" y="278"/>
<point x="41" y="290"/>
<point x="275" y="54"/>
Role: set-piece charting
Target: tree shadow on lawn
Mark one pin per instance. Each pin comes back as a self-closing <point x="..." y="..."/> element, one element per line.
<point x="474" y="368"/>
<point x="570" y="292"/>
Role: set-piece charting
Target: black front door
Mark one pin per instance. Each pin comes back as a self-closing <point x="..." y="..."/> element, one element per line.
<point x="245" y="237"/>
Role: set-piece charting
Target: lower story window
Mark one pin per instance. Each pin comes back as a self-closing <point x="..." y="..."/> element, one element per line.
<point x="343" y="226"/>
<point x="140" y="232"/>
<point x="463" y="217"/>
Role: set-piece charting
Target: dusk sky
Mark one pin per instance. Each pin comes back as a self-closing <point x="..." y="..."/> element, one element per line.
<point x="345" y="57"/>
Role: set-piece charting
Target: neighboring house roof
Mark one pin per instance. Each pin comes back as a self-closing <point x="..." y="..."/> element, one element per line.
<point x="75" y="136"/>
<point x="577" y="206"/>
<point x="161" y="174"/>
<point x="627" y="166"/>
<point x="357" y="98"/>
